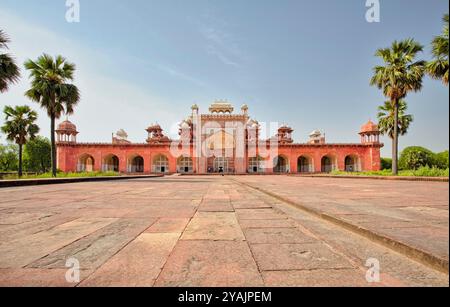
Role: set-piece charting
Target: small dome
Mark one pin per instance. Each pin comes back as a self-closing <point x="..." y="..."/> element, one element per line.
<point x="185" y="125"/>
<point x="67" y="126"/>
<point x="122" y="134"/>
<point x="369" y="127"/>
<point x="285" y="127"/>
<point x="315" y="133"/>
<point x="154" y="127"/>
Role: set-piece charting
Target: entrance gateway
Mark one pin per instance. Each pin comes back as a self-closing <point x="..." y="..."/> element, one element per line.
<point x="219" y="141"/>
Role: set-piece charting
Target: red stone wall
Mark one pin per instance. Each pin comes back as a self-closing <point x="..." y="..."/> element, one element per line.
<point x="68" y="155"/>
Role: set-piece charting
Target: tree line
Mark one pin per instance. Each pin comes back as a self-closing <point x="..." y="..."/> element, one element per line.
<point x="51" y="87"/>
<point x="400" y="74"/>
<point x="36" y="156"/>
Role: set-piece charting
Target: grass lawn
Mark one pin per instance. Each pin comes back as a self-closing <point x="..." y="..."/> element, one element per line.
<point x="421" y="172"/>
<point x="64" y="175"/>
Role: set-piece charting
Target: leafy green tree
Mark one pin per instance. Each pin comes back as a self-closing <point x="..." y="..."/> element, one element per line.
<point x="438" y="68"/>
<point x="415" y="157"/>
<point x="9" y="157"/>
<point x="386" y="163"/>
<point x="37" y="155"/>
<point x="9" y="71"/>
<point x="20" y="127"/>
<point x="50" y="88"/>
<point x="442" y="160"/>
<point x="386" y="119"/>
<point x="399" y="75"/>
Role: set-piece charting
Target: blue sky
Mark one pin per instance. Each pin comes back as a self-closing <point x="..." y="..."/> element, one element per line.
<point x="306" y="63"/>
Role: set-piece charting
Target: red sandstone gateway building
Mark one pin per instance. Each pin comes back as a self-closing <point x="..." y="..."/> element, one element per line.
<point x="220" y="141"/>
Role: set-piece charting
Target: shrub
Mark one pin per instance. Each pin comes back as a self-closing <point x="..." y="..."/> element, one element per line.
<point x="386" y="163"/>
<point x="427" y="171"/>
<point x="441" y="160"/>
<point x="412" y="158"/>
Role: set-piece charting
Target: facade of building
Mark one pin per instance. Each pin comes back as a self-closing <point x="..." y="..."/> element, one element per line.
<point x="221" y="141"/>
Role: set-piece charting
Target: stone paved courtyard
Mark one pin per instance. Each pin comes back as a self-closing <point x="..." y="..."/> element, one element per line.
<point x="217" y="231"/>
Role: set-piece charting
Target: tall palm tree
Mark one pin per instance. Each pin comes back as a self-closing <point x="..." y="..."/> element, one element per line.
<point x="400" y="75"/>
<point x="50" y="88"/>
<point x="9" y="71"/>
<point x="20" y="127"/>
<point x="386" y="119"/>
<point x="438" y="68"/>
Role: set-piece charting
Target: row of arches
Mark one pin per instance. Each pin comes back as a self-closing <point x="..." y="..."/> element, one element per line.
<point x="135" y="164"/>
<point x="160" y="164"/>
<point x="328" y="163"/>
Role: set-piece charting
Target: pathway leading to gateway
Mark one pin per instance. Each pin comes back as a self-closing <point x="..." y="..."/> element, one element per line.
<point x="202" y="231"/>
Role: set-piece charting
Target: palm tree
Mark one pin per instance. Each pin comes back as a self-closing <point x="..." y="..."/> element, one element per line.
<point x="400" y="75"/>
<point x="20" y="127"/>
<point x="386" y="119"/>
<point x="50" y="88"/>
<point x="9" y="71"/>
<point x="438" y="68"/>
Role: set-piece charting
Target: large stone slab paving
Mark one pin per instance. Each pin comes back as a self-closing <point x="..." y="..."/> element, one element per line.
<point x="37" y="278"/>
<point x="20" y="231"/>
<point x="249" y="204"/>
<point x="21" y="252"/>
<point x="212" y="264"/>
<point x="95" y="249"/>
<point x="307" y="256"/>
<point x="138" y="264"/>
<point x="214" y="226"/>
<point x="420" y="238"/>
<point x="399" y="210"/>
<point x="215" y="205"/>
<point x="316" y="278"/>
<point x="259" y="214"/>
<point x="13" y="218"/>
<point x="284" y="223"/>
<point x="396" y="270"/>
<point x="179" y="211"/>
<point x="169" y="225"/>
<point x="216" y="242"/>
<point x="276" y="235"/>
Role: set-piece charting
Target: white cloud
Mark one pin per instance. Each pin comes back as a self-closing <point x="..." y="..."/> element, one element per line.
<point x="222" y="45"/>
<point x="107" y="103"/>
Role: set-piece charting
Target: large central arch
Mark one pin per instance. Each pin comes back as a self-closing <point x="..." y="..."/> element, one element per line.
<point x="255" y="165"/>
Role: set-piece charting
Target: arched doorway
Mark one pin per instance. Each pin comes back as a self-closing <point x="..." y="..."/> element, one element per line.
<point x="222" y="164"/>
<point x="185" y="165"/>
<point x="160" y="164"/>
<point x="305" y="165"/>
<point x="281" y="165"/>
<point x="255" y="165"/>
<point x="328" y="164"/>
<point x="352" y="163"/>
<point x="110" y="164"/>
<point x="85" y="163"/>
<point x="136" y="164"/>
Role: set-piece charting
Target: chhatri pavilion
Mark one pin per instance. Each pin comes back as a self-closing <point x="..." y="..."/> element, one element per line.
<point x="220" y="141"/>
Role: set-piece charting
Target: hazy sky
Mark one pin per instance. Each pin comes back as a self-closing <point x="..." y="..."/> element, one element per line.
<point x="306" y="63"/>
